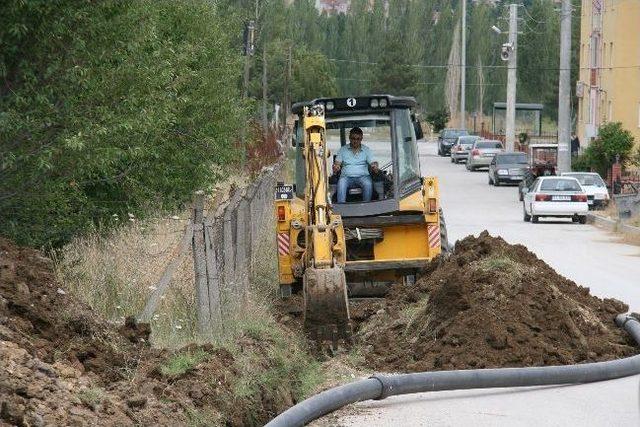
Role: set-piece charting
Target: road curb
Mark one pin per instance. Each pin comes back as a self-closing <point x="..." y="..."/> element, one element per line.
<point x="612" y="225"/>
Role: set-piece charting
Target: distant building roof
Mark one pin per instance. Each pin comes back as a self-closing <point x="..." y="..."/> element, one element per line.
<point x="519" y="106"/>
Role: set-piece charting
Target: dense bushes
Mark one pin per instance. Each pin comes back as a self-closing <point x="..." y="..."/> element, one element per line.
<point x="110" y="107"/>
<point x="613" y="143"/>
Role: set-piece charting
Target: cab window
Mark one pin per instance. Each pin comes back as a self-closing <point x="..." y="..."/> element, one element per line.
<point x="408" y="166"/>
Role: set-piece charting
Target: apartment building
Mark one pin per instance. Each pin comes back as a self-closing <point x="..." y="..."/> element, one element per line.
<point x="608" y="88"/>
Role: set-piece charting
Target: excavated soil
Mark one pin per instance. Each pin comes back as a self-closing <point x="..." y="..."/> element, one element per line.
<point x="490" y="304"/>
<point x="63" y="365"/>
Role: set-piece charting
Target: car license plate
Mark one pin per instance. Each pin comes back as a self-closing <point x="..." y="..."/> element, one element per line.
<point x="284" y="192"/>
<point x="561" y="198"/>
<point x="516" y="177"/>
<point x="488" y="155"/>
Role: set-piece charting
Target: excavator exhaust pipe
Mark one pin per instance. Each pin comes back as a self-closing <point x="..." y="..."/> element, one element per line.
<point x="326" y="308"/>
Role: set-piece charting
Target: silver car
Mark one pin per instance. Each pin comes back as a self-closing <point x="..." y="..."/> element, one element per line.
<point x="462" y="147"/>
<point x="482" y="153"/>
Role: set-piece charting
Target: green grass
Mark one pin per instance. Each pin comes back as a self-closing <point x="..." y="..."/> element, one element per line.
<point x="182" y="362"/>
<point x="497" y="263"/>
<point x="91" y="397"/>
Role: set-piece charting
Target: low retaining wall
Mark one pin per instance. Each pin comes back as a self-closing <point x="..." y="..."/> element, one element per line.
<point x="612" y="224"/>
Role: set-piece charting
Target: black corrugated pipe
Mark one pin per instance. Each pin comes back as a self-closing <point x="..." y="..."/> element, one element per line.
<point x="382" y="386"/>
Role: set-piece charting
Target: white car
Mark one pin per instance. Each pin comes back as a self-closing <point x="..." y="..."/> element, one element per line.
<point x="594" y="186"/>
<point x="555" y="197"/>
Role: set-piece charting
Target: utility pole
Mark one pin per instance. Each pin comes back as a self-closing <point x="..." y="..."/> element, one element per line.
<point x="463" y="65"/>
<point x="564" y="90"/>
<point x="248" y="50"/>
<point x="512" y="77"/>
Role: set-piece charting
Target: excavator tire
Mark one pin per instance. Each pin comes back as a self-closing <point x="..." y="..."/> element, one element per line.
<point x="326" y="308"/>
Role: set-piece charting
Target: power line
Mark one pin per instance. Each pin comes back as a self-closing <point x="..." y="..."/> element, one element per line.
<point x="442" y="66"/>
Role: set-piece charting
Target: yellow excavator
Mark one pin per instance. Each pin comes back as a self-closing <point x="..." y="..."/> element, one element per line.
<point x="330" y="250"/>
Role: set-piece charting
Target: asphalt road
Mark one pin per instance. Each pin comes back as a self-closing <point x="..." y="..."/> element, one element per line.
<point x="589" y="256"/>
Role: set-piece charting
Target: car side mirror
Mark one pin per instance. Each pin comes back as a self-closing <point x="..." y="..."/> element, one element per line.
<point x="418" y="129"/>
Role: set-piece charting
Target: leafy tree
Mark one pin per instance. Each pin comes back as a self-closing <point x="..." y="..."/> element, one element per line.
<point x="438" y="119"/>
<point x="613" y="143"/>
<point x="104" y="116"/>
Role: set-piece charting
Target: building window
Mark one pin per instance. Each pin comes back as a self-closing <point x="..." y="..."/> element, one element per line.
<point x="610" y="54"/>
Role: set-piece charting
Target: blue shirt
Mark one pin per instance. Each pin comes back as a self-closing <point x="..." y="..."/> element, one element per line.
<point x="354" y="164"/>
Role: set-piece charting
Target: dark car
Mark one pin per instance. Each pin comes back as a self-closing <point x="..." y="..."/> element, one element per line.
<point x="447" y="138"/>
<point x="508" y="168"/>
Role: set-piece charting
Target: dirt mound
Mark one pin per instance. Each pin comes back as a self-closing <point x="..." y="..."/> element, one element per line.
<point x="491" y="304"/>
<point x="63" y="365"/>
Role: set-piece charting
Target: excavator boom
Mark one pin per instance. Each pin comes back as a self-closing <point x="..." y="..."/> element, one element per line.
<point x="326" y="307"/>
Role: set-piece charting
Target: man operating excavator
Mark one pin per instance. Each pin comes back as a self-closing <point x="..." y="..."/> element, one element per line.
<point x="353" y="162"/>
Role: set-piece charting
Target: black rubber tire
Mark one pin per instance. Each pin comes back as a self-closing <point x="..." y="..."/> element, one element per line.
<point x="445" y="246"/>
<point x="583" y="219"/>
<point x="526" y="216"/>
<point x="535" y="219"/>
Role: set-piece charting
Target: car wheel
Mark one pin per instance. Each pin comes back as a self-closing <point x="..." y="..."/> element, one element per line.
<point x="526" y="216"/>
<point x="583" y="219"/>
<point x="535" y="219"/>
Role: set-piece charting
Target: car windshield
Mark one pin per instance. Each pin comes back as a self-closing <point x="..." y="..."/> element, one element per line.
<point x="586" y="179"/>
<point x="512" y="159"/>
<point x="559" y="184"/>
<point x="452" y="133"/>
<point x="488" y="144"/>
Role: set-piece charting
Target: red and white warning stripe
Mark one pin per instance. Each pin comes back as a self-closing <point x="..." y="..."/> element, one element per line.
<point x="434" y="236"/>
<point x="283" y="243"/>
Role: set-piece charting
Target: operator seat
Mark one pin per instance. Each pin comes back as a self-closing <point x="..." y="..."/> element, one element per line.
<point x="354" y="192"/>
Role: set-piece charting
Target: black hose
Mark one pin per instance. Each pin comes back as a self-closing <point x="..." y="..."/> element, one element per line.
<point x="382" y="386"/>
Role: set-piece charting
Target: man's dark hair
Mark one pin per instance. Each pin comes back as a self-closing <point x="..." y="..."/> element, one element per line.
<point x="356" y="131"/>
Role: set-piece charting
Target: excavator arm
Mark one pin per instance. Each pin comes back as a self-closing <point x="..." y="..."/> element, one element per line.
<point x="326" y="307"/>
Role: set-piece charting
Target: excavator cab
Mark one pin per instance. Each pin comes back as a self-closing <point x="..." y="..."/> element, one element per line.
<point x="387" y="239"/>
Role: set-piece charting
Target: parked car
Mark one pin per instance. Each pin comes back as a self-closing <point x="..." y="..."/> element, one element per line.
<point x="556" y="197"/>
<point x="482" y="153"/>
<point x="508" y="168"/>
<point x="593" y="184"/>
<point x="462" y="147"/>
<point x="447" y="138"/>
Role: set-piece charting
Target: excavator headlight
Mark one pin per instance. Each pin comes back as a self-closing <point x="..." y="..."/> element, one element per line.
<point x="374" y="103"/>
<point x="383" y="102"/>
<point x="330" y="105"/>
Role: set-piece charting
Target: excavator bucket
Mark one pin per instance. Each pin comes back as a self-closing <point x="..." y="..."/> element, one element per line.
<point x="326" y="309"/>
